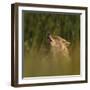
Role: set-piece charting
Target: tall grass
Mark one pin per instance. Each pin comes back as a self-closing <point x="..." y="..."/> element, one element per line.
<point x="38" y="59"/>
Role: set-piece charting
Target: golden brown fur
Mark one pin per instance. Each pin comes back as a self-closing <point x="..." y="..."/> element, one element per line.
<point x="59" y="47"/>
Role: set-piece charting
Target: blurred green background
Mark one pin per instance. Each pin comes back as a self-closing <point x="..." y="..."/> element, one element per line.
<point x="36" y="53"/>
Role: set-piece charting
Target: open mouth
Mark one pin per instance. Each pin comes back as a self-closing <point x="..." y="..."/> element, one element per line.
<point x="49" y="39"/>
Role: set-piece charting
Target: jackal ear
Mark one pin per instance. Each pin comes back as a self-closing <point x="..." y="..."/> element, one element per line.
<point x="67" y="43"/>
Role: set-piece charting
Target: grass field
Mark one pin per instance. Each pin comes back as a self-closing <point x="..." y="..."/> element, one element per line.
<point x="38" y="58"/>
